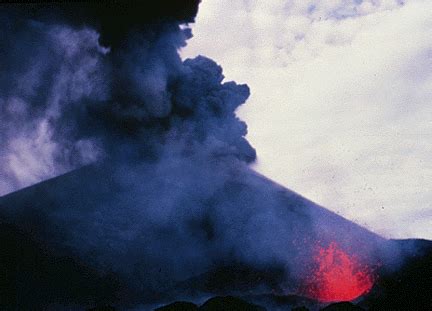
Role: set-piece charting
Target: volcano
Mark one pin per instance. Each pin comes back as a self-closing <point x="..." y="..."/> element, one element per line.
<point x="209" y="226"/>
<point x="91" y="236"/>
<point x="159" y="203"/>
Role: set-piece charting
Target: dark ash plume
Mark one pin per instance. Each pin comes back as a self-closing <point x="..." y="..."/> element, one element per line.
<point x="67" y="100"/>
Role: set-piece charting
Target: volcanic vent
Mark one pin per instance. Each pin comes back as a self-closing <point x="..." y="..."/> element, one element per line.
<point x="160" y="203"/>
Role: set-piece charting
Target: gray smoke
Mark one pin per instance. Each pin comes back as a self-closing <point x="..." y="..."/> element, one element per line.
<point x="67" y="101"/>
<point x="45" y="71"/>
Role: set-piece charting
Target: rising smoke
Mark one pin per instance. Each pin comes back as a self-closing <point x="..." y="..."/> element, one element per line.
<point x="66" y="100"/>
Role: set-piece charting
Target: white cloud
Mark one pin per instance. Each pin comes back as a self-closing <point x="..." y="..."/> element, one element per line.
<point x="341" y="106"/>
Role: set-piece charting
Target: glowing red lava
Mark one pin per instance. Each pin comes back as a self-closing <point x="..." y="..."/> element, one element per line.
<point x="338" y="276"/>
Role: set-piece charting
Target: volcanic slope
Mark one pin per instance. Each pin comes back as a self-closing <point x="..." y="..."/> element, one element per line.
<point x="138" y="233"/>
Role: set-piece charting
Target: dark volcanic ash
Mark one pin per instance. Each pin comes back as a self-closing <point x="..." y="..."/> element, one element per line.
<point x="66" y="100"/>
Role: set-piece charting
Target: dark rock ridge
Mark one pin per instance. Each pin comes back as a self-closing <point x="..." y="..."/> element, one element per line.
<point x="227" y="303"/>
<point x="408" y="285"/>
<point x="214" y="304"/>
<point x="180" y="306"/>
<point x="342" y="306"/>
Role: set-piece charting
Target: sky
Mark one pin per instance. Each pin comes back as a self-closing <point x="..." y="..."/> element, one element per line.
<point x="340" y="110"/>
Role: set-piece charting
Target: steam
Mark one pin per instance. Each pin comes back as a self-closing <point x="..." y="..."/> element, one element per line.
<point x="48" y="73"/>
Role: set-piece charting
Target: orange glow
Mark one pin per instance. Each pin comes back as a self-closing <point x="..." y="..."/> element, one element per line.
<point x="338" y="276"/>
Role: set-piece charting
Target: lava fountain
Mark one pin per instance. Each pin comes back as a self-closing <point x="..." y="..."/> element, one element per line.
<point x="338" y="276"/>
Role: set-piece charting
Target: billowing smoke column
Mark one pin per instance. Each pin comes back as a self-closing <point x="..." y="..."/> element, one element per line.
<point x="168" y="204"/>
<point x="66" y="100"/>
